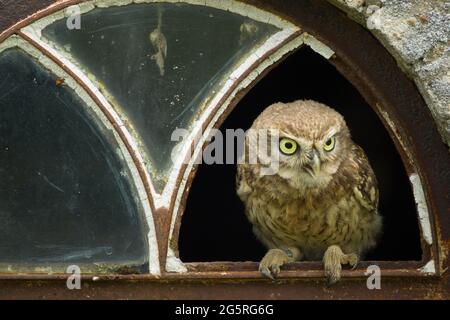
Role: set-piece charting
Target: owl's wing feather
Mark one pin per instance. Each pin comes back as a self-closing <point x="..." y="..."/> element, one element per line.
<point x="366" y="188"/>
<point x="242" y="177"/>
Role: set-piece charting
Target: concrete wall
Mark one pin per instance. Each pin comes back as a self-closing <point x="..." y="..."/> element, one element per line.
<point x="417" y="34"/>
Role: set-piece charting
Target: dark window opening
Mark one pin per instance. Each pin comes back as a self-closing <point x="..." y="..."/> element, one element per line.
<point x="214" y="226"/>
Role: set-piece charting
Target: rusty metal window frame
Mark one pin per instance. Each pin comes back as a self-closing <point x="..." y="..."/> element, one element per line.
<point x="401" y="114"/>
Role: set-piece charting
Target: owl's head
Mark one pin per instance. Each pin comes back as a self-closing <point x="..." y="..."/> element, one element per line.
<point x="313" y="140"/>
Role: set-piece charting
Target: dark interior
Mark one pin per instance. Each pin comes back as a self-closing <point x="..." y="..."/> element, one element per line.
<point x="214" y="226"/>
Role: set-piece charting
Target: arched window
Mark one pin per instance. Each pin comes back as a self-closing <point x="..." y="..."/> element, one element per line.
<point x="106" y="107"/>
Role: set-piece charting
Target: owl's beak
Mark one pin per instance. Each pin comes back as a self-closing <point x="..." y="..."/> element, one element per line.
<point x="313" y="166"/>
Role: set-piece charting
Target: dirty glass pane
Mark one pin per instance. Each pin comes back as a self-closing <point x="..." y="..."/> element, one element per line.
<point x="64" y="194"/>
<point x="160" y="63"/>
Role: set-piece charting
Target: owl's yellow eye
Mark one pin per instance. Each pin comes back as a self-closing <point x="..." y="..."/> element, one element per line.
<point x="329" y="144"/>
<point x="288" y="146"/>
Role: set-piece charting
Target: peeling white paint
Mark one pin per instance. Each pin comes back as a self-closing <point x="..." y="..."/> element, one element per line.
<point x="112" y="3"/>
<point x="419" y="195"/>
<point x="318" y="46"/>
<point x="98" y="115"/>
<point x="174" y="264"/>
<point x="428" y="268"/>
<point x="422" y="208"/>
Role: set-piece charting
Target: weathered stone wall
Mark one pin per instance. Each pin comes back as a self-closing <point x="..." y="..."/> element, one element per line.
<point x="417" y="34"/>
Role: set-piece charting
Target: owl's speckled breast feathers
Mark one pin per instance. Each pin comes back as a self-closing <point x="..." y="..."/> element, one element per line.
<point x="343" y="213"/>
<point x="320" y="196"/>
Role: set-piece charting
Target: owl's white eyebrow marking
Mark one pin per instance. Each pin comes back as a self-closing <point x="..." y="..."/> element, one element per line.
<point x="422" y="208"/>
<point x="285" y="134"/>
<point x="330" y="133"/>
<point x="299" y="140"/>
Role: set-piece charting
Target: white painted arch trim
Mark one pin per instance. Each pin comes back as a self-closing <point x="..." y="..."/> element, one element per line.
<point x="422" y="208"/>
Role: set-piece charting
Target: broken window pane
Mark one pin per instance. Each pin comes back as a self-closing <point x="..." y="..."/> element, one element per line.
<point x="65" y="197"/>
<point x="159" y="63"/>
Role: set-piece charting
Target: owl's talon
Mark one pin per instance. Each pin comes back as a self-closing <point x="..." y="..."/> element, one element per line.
<point x="275" y="270"/>
<point x="266" y="272"/>
<point x="333" y="259"/>
<point x="270" y="265"/>
<point x="353" y="260"/>
<point x="333" y="273"/>
<point x="331" y="280"/>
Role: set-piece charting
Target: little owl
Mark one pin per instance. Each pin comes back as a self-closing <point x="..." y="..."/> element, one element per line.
<point x="322" y="202"/>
